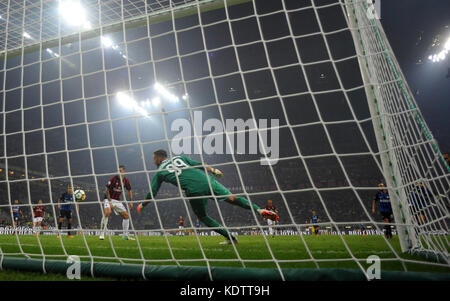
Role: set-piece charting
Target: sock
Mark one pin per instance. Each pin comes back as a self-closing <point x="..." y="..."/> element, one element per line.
<point x="208" y="221"/>
<point x="243" y="203"/>
<point x="103" y="225"/>
<point x="69" y="226"/>
<point x="125" y="225"/>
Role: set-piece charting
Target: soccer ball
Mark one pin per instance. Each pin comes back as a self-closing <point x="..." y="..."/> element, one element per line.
<point x="79" y="195"/>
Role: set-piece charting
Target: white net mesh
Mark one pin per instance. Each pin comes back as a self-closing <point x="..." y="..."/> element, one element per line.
<point x="108" y="85"/>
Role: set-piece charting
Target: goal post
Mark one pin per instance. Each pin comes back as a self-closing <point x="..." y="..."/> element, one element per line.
<point x="407" y="240"/>
<point x="367" y="29"/>
<point x="302" y="103"/>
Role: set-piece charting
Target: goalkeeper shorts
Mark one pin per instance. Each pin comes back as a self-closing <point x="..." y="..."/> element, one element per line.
<point x="218" y="190"/>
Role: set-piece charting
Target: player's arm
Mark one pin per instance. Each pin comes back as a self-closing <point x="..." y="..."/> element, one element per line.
<point x="107" y="189"/>
<point x="130" y="197"/>
<point x="59" y="202"/>
<point x="156" y="184"/>
<point x="130" y="194"/>
<point x="374" y="203"/>
<point x="108" y="196"/>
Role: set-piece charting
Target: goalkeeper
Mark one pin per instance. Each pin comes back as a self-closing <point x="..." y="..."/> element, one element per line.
<point x="194" y="182"/>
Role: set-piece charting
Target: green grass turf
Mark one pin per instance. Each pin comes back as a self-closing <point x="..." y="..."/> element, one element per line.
<point x="329" y="250"/>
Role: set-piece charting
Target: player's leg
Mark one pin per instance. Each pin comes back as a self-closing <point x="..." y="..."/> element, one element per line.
<point x="104" y="222"/>
<point x="387" y="228"/>
<point x="125" y="225"/>
<point x="34" y="226"/>
<point x="38" y="225"/>
<point x="220" y="191"/>
<point x="180" y="230"/>
<point x="270" y="224"/>
<point x="120" y="209"/>
<point x="199" y="208"/>
<point x="60" y="221"/>
<point x="69" y="224"/>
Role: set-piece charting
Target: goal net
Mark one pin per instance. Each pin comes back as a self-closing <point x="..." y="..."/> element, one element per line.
<point x="302" y="103"/>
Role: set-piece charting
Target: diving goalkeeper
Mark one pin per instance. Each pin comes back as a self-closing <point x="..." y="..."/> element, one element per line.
<point x="194" y="181"/>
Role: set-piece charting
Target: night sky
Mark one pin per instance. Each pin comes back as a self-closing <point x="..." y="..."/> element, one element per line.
<point x="411" y="26"/>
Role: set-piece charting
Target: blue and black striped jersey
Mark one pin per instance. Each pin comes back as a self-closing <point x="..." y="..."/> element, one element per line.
<point x="384" y="200"/>
<point x="66" y="201"/>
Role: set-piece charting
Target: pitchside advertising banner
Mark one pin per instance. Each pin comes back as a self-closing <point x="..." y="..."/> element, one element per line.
<point x="252" y="232"/>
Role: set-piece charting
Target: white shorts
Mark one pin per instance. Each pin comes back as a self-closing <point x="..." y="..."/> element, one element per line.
<point x="37" y="219"/>
<point x="269" y="221"/>
<point x="118" y="207"/>
<point x="180" y="227"/>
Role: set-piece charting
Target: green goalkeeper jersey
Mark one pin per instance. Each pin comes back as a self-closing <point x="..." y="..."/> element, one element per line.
<point x="193" y="179"/>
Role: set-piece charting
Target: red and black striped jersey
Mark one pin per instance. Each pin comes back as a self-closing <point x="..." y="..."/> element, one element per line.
<point x="115" y="188"/>
<point x="38" y="211"/>
<point x="181" y="222"/>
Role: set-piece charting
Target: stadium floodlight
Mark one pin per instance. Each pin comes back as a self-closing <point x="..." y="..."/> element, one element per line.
<point x="52" y="52"/>
<point x="74" y="13"/>
<point x="127" y="101"/>
<point x="141" y="110"/>
<point x="107" y="42"/>
<point x="165" y="93"/>
<point x="442" y="55"/>
<point x="156" y="101"/>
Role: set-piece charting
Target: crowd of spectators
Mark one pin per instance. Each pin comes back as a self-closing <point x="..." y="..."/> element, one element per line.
<point x="286" y="183"/>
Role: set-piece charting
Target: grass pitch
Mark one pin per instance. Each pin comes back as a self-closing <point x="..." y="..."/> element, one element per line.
<point x="326" y="251"/>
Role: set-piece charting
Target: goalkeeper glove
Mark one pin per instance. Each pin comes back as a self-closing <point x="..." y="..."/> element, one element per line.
<point x="217" y="173"/>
